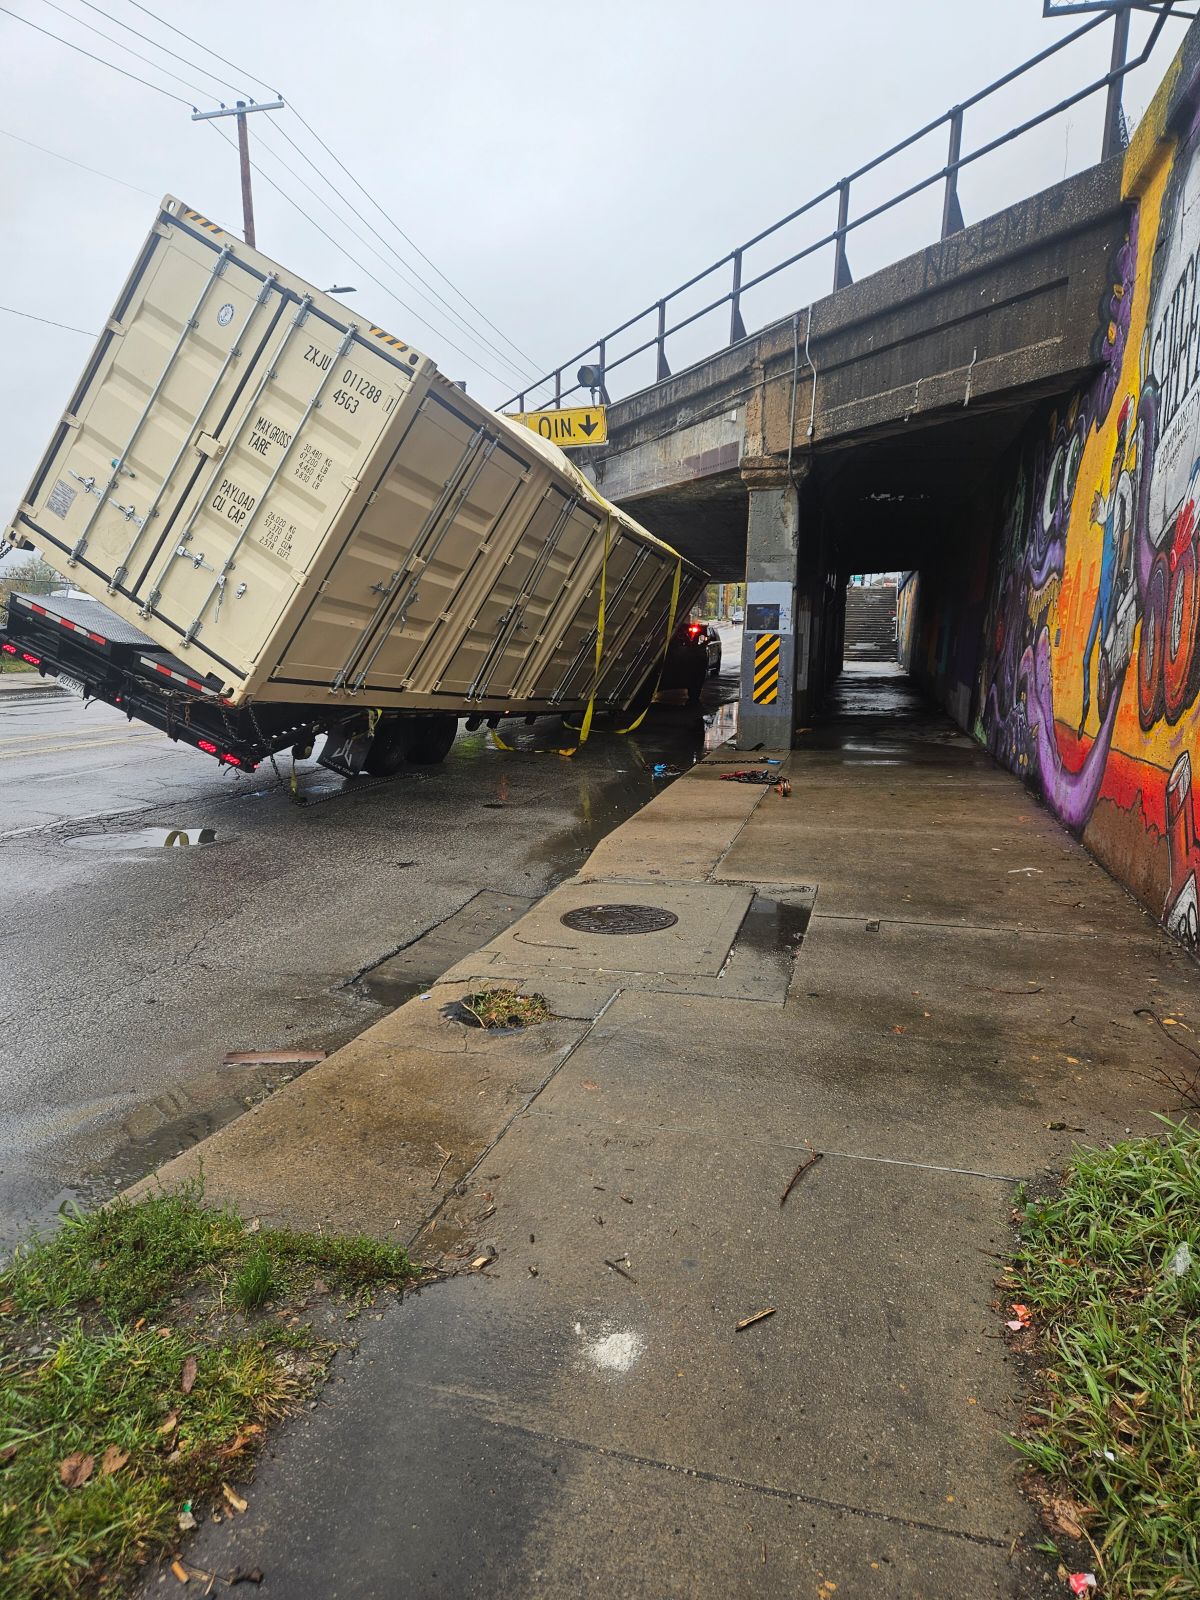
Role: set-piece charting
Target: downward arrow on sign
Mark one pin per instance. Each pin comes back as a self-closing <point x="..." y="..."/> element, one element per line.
<point x="587" y="427"/>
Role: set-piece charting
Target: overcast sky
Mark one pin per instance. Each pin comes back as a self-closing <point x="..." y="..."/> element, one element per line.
<point x="563" y="166"/>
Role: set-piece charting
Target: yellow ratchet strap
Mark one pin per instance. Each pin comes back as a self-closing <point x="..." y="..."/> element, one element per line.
<point x="585" y="727"/>
<point x="662" y="660"/>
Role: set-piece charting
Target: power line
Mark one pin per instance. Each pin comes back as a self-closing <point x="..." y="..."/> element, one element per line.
<point x="522" y="353"/>
<point x="66" y="326"/>
<point x="136" y="54"/>
<point x="525" y="356"/>
<point x="95" y="171"/>
<point x="266" y="176"/>
<point x="401" y="265"/>
<point x="166" y="50"/>
<point x="207" y="49"/>
<point x="99" y="60"/>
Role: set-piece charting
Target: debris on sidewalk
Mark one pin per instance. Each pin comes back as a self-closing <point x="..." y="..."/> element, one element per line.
<point x="1081" y="1582"/>
<point x="810" y="1161"/>
<point x="757" y="1316"/>
<point x="1021" y="1318"/>
<point x="234" y="1498"/>
<point x="505" y="1008"/>
<point x="617" y="1267"/>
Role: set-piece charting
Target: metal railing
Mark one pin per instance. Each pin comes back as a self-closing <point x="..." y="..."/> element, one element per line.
<point x="597" y="354"/>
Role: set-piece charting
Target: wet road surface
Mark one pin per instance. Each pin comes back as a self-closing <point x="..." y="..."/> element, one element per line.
<point x="129" y="969"/>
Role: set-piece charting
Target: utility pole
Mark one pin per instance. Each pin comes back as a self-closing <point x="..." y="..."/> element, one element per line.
<point x="241" y="110"/>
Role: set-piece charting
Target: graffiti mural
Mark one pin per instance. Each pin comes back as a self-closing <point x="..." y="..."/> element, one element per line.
<point x="1089" y="676"/>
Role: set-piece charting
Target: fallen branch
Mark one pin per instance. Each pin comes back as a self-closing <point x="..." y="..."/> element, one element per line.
<point x="798" y="1174"/>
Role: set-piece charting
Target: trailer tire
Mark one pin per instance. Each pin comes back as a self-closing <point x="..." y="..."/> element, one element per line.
<point x="389" y="748"/>
<point x="430" y="738"/>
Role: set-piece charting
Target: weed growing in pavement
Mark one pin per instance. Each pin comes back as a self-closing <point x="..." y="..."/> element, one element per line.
<point x="1109" y="1268"/>
<point x="506" y="1008"/>
<point x="254" y="1281"/>
<point x="130" y="1389"/>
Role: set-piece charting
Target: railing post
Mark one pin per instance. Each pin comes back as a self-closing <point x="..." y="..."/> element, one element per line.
<point x="664" y="370"/>
<point x="557" y="387"/>
<point x="521" y="402"/>
<point x="952" y="217"/>
<point x="737" y="328"/>
<point x="842" y="276"/>
<point x="1114" y="141"/>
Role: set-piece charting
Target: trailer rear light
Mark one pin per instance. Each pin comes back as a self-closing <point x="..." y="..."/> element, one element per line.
<point x="207" y="746"/>
<point x="234" y="761"/>
<point x="34" y="661"/>
<point x="9" y="649"/>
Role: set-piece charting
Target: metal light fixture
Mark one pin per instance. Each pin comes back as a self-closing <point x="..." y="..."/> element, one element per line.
<point x="340" y="288"/>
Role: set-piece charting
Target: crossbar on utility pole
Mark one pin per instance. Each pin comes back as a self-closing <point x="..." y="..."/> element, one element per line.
<point x="241" y="110"/>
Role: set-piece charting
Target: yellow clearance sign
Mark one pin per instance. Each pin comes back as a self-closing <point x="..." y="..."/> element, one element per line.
<point x="569" y="429"/>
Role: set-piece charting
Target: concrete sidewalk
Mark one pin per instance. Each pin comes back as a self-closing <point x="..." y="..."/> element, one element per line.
<point x="906" y="966"/>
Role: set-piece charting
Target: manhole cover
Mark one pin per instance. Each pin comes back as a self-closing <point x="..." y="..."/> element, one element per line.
<point x="619" y="919"/>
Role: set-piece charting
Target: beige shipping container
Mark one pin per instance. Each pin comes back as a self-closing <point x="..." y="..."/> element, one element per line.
<point x="300" y="508"/>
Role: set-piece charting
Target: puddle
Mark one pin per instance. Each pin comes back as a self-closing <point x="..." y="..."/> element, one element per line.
<point x="174" y="1122"/>
<point x="771" y="926"/>
<point x="145" y="839"/>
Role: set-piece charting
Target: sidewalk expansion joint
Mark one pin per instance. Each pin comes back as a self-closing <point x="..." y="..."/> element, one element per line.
<point x="459" y="1188"/>
<point x="745" y="823"/>
<point x="967" y="927"/>
<point x="767" y="1490"/>
<point x="785" y="1144"/>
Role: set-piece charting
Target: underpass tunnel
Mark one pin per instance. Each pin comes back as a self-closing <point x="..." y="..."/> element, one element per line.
<point x="923" y="505"/>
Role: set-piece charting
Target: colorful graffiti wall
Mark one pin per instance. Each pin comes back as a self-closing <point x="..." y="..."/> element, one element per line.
<point x="1085" y="675"/>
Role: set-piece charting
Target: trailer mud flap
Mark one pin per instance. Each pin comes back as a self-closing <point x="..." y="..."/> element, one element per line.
<point x="345" y="751"/>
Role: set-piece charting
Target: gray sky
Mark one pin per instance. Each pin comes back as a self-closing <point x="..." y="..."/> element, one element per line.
<point x="562" y="167"/>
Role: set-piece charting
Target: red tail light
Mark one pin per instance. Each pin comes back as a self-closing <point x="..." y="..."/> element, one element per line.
<point x="207" y="746"/>
<point x="34" y="661"/>
<point x="9" y="649"/>
<point x="695" y="629"/>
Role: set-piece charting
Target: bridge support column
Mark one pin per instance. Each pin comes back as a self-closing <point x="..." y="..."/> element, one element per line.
<point x="777" y="639"/>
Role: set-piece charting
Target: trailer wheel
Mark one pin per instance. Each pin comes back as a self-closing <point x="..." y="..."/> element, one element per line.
<point x="389" y="748"/>
<point x="430" y="738"/>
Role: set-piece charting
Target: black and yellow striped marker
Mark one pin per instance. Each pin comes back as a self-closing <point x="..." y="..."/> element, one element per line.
<point x="766" y="669"/>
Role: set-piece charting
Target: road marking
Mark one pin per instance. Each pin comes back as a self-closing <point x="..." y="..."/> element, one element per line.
<point x="57" y="749"/>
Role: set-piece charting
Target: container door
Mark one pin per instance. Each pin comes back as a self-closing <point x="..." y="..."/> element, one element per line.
<point x="429" y="516"/>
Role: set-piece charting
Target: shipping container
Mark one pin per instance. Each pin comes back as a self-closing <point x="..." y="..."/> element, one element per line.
<point x="300" y="517"/>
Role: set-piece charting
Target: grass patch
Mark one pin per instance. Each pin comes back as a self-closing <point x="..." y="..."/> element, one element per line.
<point x="506" y="1008"/>
<point x="138" y="1371"/>
<point x="1115" y="1436"/>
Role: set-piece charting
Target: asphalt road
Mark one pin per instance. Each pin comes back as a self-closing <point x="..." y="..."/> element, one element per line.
<point x="129" y="969"/>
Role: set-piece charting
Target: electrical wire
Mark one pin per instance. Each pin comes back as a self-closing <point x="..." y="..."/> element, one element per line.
<point x="522" y="353"/>
<point x="478" y="338"/>
<point x="166" y="50"/>
<point x="70" y="160"/>
<point x="400" y="265"/>
<point x="525" y="373"/>
<point x="98" y="60"/>
<point x="241" y="71"/>
<point x="136" y="54"/>
<point x="411" y="310"/>
<point x="216" y="55"/>
<point x="31" y="317"/>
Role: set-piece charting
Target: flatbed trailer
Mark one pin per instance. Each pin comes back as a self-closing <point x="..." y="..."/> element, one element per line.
<point x="287" y="522"/>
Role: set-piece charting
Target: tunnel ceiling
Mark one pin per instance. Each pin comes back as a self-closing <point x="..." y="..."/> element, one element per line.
<point x="887" y="502"/>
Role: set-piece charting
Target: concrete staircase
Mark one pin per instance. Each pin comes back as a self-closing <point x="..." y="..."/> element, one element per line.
<point x="871" y="623"/>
